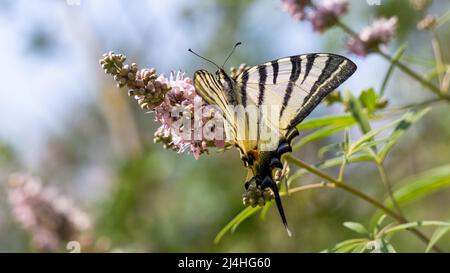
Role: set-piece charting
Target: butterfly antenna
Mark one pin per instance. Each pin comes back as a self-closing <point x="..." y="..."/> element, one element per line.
<point x="231" y="53"/>
<point x="190" y="50"/>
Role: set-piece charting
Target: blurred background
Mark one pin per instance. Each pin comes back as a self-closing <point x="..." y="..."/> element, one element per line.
<point x="64" y="121"/>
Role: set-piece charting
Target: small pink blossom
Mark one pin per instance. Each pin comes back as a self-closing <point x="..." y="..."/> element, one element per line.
<point x="178" y="123"/>
<point x="295" y="8"/>
<point x="372" y="37"/>
<point x="327" y="13"/>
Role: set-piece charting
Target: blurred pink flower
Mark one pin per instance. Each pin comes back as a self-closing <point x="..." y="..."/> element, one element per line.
<point x="327" y="13"/>
<point x="50" y="218"/>
<point x="372" y="37"/>
<point x="296" y="8"/>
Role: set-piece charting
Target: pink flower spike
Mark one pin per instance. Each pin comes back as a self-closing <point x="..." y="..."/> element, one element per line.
<point x="50" y="218"/>
<point x="372" y="37"/>
<point x="295" y="8"/>
<point x="327" y="14"/>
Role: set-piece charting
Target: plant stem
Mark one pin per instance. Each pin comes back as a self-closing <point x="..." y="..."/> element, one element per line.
<point x="333" y="183"/>
<point x="438" y="58"/>
<point x="415" y="76"/>
<point x="387" y="185"/>
<point x="342" y="169"/>
<point x="400" y="65"/>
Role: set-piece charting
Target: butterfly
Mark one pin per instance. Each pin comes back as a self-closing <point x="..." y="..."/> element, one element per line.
<point x="291" y="86"/>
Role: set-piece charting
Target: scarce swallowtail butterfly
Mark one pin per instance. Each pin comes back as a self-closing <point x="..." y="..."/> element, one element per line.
<point x="283" y="92"/>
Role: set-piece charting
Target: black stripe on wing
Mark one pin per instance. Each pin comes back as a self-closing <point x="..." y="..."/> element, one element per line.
<point x="309" y="64"/>
<point x="243" y="89"/>
<point x="336" y="70"/>
<point x="296" y="63"/>
<point x="262" y="83"/>
<point x="275" y="68"/>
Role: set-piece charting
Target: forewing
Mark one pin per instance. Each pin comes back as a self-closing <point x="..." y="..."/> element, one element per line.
<point x="295" y="84"/>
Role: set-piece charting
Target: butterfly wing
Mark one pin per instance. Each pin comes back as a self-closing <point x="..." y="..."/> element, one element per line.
<point x="213" y="92"/>
<point x="294" y="84"/>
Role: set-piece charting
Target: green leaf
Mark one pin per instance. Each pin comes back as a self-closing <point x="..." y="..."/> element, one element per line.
<point x="370" y="144"/>
<point x="356" y="227"/>
<point x="330" y="163"/>
<point x="264" y="211"/>
<point x="360" y="248"/>
<point x="331" y="147"/>
<point x="398" y="54"/>
<point x="383" y="246"/>
<point x="368" y="99"/>
<point x="369" y="136"/>
<point x="419" y="185"/>
<point x="416" y="224"/>
<point x="358" y="113"/>
<point x="408" y="119"/>
<point x="352" y="248"/>
<point x="313" y="123"/>
<point x="378" y="224"/>
<point x="345" y="246"/>
<point x="321" y="133"/>
<point x="234" y="223"/>
<point x="437" y="235"/>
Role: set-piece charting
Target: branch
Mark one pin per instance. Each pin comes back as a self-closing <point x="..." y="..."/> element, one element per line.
<point x="333" y="183"/>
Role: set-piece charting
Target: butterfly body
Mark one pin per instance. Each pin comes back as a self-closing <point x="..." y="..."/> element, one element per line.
<point x="272" y="99"/>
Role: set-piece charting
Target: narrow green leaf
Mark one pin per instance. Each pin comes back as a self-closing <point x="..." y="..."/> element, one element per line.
<point x="331" y="147"/>
<point x="398" y="54"/>
<point x="437" y="235"/>
<point x="377" y="246"/>
<point x="378" y="224"/>
<point x="351" y="248"/>
<point x="265" y="209"/>
<point x="381" y="245"/>
<point x="358" y="113"/>
<point x="360" y="248"/>
<point x="330" y="163"/>
<point x="356" y="227"/>
<point x="408" y="119"/>
<point x="243" y="217"/>
<point x="313" y="123"/>
<point x="368" y="99"/>
<point x="321" y="133"/>
<point x="418" y="186"/>
<point x="370" y="135"/>
<point x="416" y="224"/>
<point x="231" y="226"/>
<point x="370" y="144"/>
<point x="344" y="245"/>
